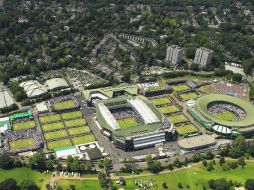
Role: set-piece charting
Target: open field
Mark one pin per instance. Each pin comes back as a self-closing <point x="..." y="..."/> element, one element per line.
<point x="186" y="129"/>
<point x="80" y="185"/>
<point x="227" y="115"/>
<point x="24" y="125"/>
<point x="59" y="144"/>
<point x="49" y="118"/>
<point x="169" y="109"/>
<point x="160" y="101"/>
<point x="128" y="122"/>
<point x="21" y="143"/>
<point x="71" y="115"/>
<point x="181" y="87"/>
<point x="188" y="96"/>
<point x="55" y="134"/>
<point x="75" y="122"/>
<point x="83" y="139"/>
<point x="79" y="130"/>
<point x="21" y="174"/>
<point x="177" y="118"/>
<point x="52" y="126"/>
<point x="64" y="105"/>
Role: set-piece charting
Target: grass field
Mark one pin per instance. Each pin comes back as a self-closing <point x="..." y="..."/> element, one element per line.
<point x="52" y="126"/>
<point x="188" y="96"/>
<point x="64" y="105"/>
<point x="181" y="87"/>
<point x="227" y="115"/>
<point x="55" y="134"/>
<point x="160" y="101"/>
<point x="21" y="143"/>
<point x="71" y="115"/>
<point x="128" y="122"/>
<point x="79" y="130"/>
<point x="80" y="185"/>
<point x="21" y="174"/>
<point x="59" y="144"/>
<point x="186" y="129"/>
<point x="75" y="122"/>
<point x="50" y="118"/>
<point x="169" y="109"/>
<point x="83" y="139"/>
<point x="177" y="118"/>
<point x="24" y="125"/>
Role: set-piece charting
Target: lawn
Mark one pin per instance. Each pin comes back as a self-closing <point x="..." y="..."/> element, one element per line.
<point x="59" y="144"/>
<point x="24" y="125"/>
<point x="75" y="122"/>
<point x="21" y="143"/>
<point x="83" y="139"/>
<point x="55" y="134"/>
<point x="71" y="115"/>
<point x="169" y="109"/>
<point x="227" y="115"/>
<point x="49" y="118"/>
<point x="180" y="87"/>
<point x="188" y="96"/>
<point x="20" y="174"/>
<point x="64" y="105"/>
<point x="196" y="177"/>
<point x="160" y="101"/>
<point x="52" y="126"/>
<point x="177" y="118"/>
<point x="79" y="130"/>
<point x="80" y="185"/>
<point x="186" y="129"/>
<point x="128" y="122"/>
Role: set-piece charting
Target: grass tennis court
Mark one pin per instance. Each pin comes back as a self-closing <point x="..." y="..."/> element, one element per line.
<point x="169" y="109"/>
<point x="180" y="87"/>
<point x="49" y="118"/>
<point x="186" y="129"/>
<point x="227" y="115"/>
<point x="177" y="118"/>
<point x="71" y="115"/>
<point x="79" y="130"/>
<point x="21" y="143"/>
<point x="83" y="139"/>
<point x="59" y="144"/>
<point x="128" y="122"/>
<point x="52" y="126"/>
<point x="160" y="101"/>
<point x="188" y="96"/>
<point x="75" y="122"/>
<point x="55" y="134"/>
<point x="24" y="125"/>
<point x="64" y="105"/>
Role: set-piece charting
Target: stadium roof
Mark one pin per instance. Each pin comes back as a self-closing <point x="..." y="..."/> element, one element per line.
<point x="109" y="91"/>
<point x="145" y="112"/>
<point x="56" y="83"/>
<point x="197" y="142"/>
<point x="33" y="88"/>
<point x="246" y="106"/>
<point x="5" y="99"/>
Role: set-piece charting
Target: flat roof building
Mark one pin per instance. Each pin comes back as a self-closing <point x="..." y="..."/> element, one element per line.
<point x="174" y="54"/>
<point x="56" y="83"/>
<point x="197" y="142"/>
<point x="203" y="56"/>
<point x="42" y="107"/>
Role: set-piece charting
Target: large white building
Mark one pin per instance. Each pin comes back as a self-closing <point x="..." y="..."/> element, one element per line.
<point x="174" y="54"/>
<point x="203" y="56"/>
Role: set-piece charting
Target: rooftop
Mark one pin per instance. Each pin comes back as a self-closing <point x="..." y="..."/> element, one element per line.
<point x="56" y="83"/>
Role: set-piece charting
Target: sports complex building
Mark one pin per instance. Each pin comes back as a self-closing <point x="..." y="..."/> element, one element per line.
<point x="133" y="122"/>
<point x="224" y="114"/>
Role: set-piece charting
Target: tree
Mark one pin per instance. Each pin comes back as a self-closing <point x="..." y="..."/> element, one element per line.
<point x="9" y="184"/>
<point x="180" y="185"/>
<point x="204" y="163"/>
<point x="249" y="184"/>
<point x="248" y="65"/>
<point x="6" y="162"/>
<point x="222" y="160"/>
<point x="28" y="184"/>
<point x="164" y="185"/>
<point x="220" y="184"/>
<point x="241" y="162"/>
<point x="209" y="166"/>
<point x="38" y="161"/>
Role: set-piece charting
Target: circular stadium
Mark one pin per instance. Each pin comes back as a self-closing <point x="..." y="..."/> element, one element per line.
<point x="226" y="110"/>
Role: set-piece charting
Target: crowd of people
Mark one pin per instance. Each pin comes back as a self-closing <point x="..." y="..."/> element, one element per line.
<point x="215" y="108"/>
<point x="228" y="88"/>
<point x="11" y="136"/>
<point x="123" y="113"/>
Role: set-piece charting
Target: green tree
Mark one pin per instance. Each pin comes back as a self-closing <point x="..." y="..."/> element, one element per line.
<point x="6" y="162"/>
<point x="9" y="184"/>
<point x="38" y="161"/>
<point x="28" y="184"/>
